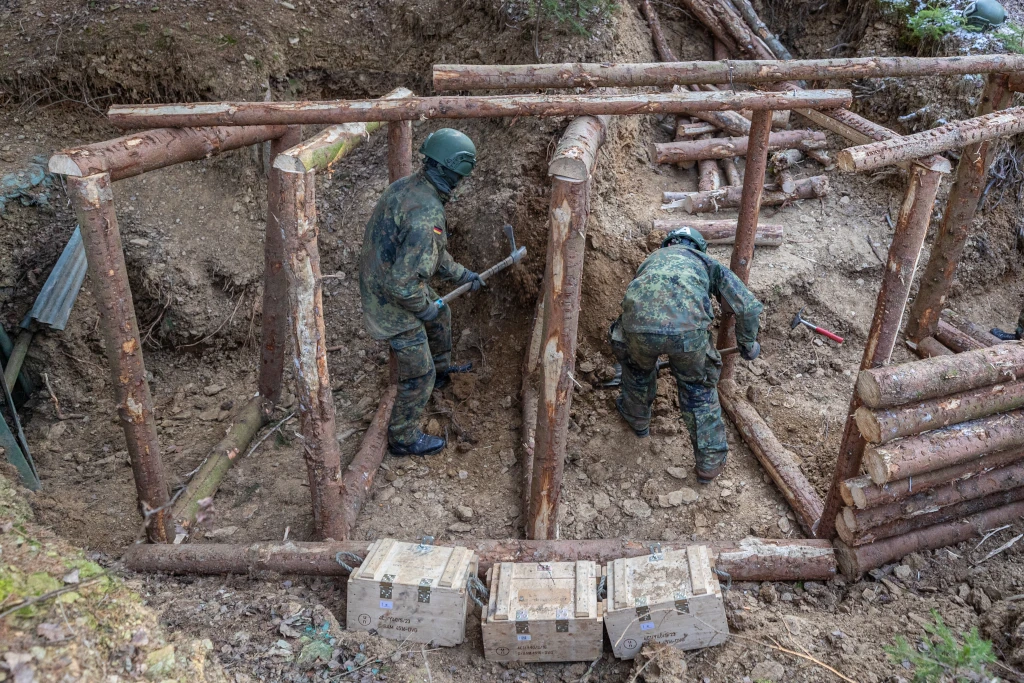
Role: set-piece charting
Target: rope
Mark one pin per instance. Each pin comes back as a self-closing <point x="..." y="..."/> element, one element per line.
<point x="351" y="556"/>
<point x="602" y="588"/>
<point x="477" y="591"/>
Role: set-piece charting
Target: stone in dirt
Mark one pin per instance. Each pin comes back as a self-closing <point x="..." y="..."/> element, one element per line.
<point x="464" y="513"/>
<point x="585" y="512"/>
<point x="213" y="389"/>
<point x="768" y="671"/>
<point x="507" y="456"/>
<point x="689" y="495"/>
<point x="678" y="472"/>
<point x="672" y="499"/>
<point x="460" y="528"/>
<point x="601" y="500"/>
<point x="636" y="508"/>
<point x="660" y="663"/>
<point x="785" y="525"/>
<point x="223" y="532"/>
<point x="768" y="593"/>
<point x="903" y="572"/>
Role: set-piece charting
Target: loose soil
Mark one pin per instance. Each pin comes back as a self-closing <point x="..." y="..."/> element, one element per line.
<point x="193" y="245"/>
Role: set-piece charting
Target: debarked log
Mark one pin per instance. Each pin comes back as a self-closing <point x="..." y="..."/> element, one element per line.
<point x="750" y="559"/>
<point x="778" y="461"/>
<point x="723" y="148"/>
<point x="898" y="527"/>
<point x="915" y="455"/>
<point x="970" y="328"/>
<point x="731" y="197"/>
<point x="940" y="376"/>
<point x="447" y="107"/>
<point x="930" y="501"/>
<point x="855" y="561"/>
<point x="721" y="232"/>
<point x="692" y="130"/>
<point x="955" y="339"/>
<point x="929" y="347"/>
<point x="886" y="424"/>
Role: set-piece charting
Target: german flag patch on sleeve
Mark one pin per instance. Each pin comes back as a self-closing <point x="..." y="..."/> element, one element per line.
<point x="438" y="231"/>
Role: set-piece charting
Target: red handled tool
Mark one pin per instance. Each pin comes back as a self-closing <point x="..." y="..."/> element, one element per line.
<point x="798" y="319"/>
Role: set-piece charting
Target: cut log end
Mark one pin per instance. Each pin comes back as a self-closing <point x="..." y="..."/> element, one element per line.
<point x="878" y="467"/>
<point x="289" y="164"/>
<point x="868" y="390"/>
<point x="868" y="425"/>
<point x="846" y="558"/>
<point x="62" y="164"/>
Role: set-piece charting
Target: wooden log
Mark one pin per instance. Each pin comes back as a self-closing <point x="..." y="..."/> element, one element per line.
<point x="449" y="77"/>
<point x="733" y="177"/>
<point x="93" y="200"/>
<point x="860" y="492"/>
<point x="693" y="130"/>
<point x="705" y="15"/>
<point x="777" y="460"/>
<point x="899" y="527"/>
<point x="529" y="396"/>
<point x="941" y="376"/>
<point x="657" y="34"/>
<point x="971" y="174"/>
<point x="247" y="422"/>
<point x="933" y="500"/>
<point x="954" y="339"/>
<point x="785" y="159"/>
<point x="750" y="559"/>
<point x="722" y="148"/>
<point x="709" y="175"/>
<point x="149" y="150"/>
<point x="722" y="232"/>
<point x="881" y="426"/>
<point x="904" y="252"/>
<point x="731" y="197"/>
<point x="576" y="154"/>
<point x="929" y="347"/>
<point x="785" y="182"/>
<point x="855" y="561"/>
<point x="962" y="442"/>
<point x="942" y="139"/>
<point x="976" y="332"/>
<point x="749" y="14"/>
<point x="747" y="42"/>
<point x="562" y="279"/>
<point x="447" y="107"/>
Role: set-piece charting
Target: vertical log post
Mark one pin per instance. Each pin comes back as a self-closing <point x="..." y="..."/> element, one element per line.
<point x="746" y="227"/>
<point x="93" y="199"/>
<point x="528" y="397"/>
<point x="275" y="311"/>
<point x="562" y="279"/>
<point x="907" y="240"/>
<point x="963" y="200"/>
<point x="313" y="388"/>
<point x="399" y="149"/>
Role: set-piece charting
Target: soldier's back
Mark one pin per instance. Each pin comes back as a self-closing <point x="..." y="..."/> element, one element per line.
<point x="670" y="294"/>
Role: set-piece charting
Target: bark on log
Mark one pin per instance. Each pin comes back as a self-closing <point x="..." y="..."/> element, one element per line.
<point x="576" y="154"/>
<point x="904" y="252"/>
<point x="954" y="339"/>
<point x="854" y="562"/>
<point x="944" y="447"/>
<point x="931" y="501"/>
<point x="971" y="172"/>
<point x="93" y="199"/>
<point x="692" y="130"/>
<point x="899" y="527"/>
<point x="704" y="14"/>
<point x="399" y="149"/>
<point x="941" y="376"/>
<point x="149" y="150"/>
<point x="942" y="139"/>
<point x="861" y="493"/>
<point x="750" y="559"/>
<point x="731" y="197"/>
<point x="415" y="108"/>
<point x="249" y="420"/>
<point x="448" y="77"/>
<point x="563" y="276"/>
<point x="747" y="42"/>
<point x="529" y="397"/>
<point x="785" y="182"/>
<point x="881" y="426"/>
<point x="722" y="232"/>
<point x="976" y="332"/>
<point x="784" y="160"/>
<point x="749" y="14"/>
<point x="722" y="148"/>
<point x="733" y="177"/>
<point x="313" y="388"/>
<point x="929" y="347"/>
<point x="657" y="35"/>
<point x="776" y="459"/>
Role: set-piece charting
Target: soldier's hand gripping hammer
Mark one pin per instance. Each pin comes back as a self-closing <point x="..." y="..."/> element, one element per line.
<point x="515" y="257"/>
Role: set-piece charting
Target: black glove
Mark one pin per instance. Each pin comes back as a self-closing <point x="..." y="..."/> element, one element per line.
<point x="750" y="351"/>
<point x="471" y="277"/>
<point x="431" y="311"/>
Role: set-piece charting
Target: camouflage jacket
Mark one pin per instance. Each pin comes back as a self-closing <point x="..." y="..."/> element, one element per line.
<point x="404" y="245"/>
<point x="671" y="295"/>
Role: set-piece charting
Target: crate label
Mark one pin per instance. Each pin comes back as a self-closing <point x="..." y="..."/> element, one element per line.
<point x="387" y="604"/>
<point x="523" y="637"/>
<point x="646" y="625"/>
<point x="386" y="586"/>
<point x="423" y="594"/>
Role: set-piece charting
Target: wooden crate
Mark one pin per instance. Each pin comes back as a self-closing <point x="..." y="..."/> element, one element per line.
<point x="543" y="612"/>
<point x="414" y="592"/>
<point x="669" y="597"/>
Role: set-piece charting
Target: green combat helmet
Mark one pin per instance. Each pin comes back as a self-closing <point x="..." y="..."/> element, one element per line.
<point x="680" y="234"/>
<point x="983" y="14"/>
<point x="452" y="149"/>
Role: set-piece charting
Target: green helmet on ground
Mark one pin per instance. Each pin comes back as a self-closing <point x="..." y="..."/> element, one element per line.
<point x="452" y="149"/>
<point x="683" y="235"/>
<point x="983" y="14"/>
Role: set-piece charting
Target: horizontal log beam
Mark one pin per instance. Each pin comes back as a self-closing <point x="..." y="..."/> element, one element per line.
<point x="970" y="328"/>
<point x="929" y="347"/>
<point x="724" y="148"/>
<point x="721" y="232"/>
<point x="449" y="77"/>
<point x="942" y="139"/>
<point x="750" y="559"/>
<point x="692" y="130"/>
<point x="148" y="150"/>
<point x="448" y="107"/>
<point x="955" y="339"/>
<point x="731" y="197"/>
<point x="940" y="376"/>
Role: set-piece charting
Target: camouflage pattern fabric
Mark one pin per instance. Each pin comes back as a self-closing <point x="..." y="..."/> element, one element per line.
<point x="418" y="352"/>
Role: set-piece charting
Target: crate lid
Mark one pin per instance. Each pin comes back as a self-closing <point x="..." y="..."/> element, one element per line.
<point x="412" y="563"/>
<point x="661" y="577"/>
<point x="544" y="590"/>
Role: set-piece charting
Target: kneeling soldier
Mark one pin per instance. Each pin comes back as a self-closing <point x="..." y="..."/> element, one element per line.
<point x="667" y="311"/>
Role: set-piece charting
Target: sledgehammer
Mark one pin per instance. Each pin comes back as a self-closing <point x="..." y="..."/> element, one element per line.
<point x="515" y="257"/>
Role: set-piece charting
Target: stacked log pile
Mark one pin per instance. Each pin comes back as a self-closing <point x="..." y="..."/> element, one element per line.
<point x="954" y="334"/>
<point x="945" y="455"/>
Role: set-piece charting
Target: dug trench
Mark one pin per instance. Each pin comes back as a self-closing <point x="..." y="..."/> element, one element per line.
<point x="193" y="238"/>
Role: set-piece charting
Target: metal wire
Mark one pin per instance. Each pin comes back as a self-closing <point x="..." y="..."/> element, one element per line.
<point x="352" y="556"/>
<point x="602" y="588"/>
<point x="477" y="591"/>
<point x="725" y="575"/>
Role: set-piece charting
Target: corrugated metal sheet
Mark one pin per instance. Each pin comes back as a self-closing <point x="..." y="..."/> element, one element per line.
<point x="53" y="305"/>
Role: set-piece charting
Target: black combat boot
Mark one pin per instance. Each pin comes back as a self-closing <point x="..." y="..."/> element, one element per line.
<point x="444" y="378"/>
<point x="1004" y="336"/>
<point x="641" y="433"/>
<point x="425" y="444"/>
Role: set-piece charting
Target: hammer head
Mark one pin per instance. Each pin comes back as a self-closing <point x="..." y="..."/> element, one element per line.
<point x="797" y="319"/>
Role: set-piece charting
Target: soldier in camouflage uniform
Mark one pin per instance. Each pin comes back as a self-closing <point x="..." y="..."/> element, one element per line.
<point x="404" y="245"/>
<point x="667" y="310"/>
<point x="1010" y="336"/>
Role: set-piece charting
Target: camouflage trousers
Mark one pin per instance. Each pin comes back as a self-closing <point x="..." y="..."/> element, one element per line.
<point x="418" y="352"/>
<point x="696" y="366"/>
<point x="1020" y="324"/>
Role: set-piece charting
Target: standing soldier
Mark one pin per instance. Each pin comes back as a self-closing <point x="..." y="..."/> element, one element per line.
<point x="667" y="310"/>
<point x="404" y="245"/>
<point x="1010" y="336"/>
